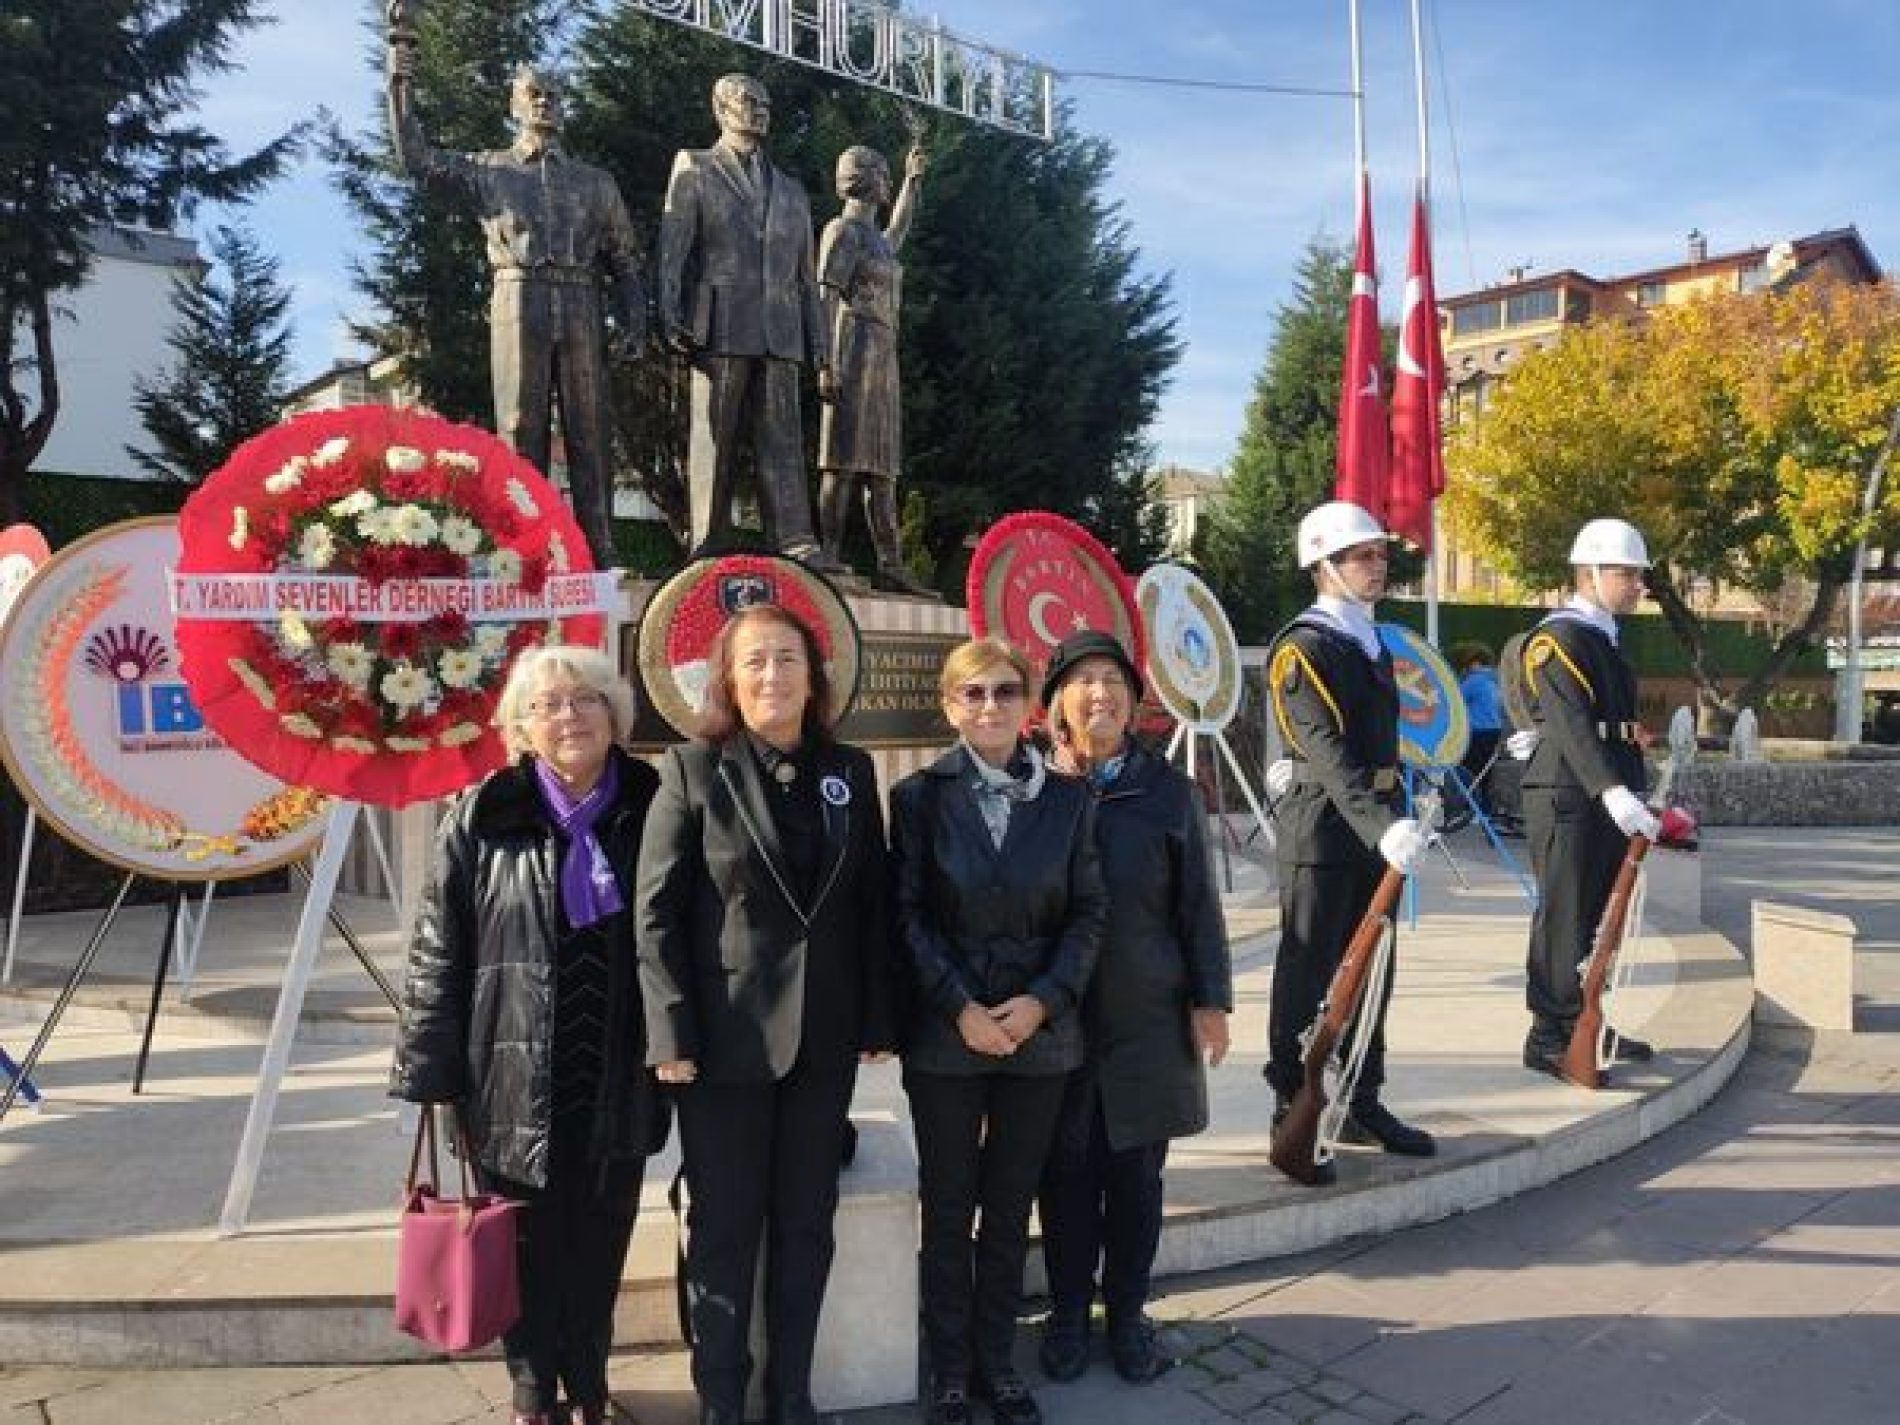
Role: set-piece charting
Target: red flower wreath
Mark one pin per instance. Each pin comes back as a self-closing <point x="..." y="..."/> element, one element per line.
<point x="353" y="588"/>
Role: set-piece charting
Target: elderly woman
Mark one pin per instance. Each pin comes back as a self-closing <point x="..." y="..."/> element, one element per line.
<point x="765" y="959"/>
<point x="1000" y="905"/>
<point x="1157" y="1007"/>
<point x="522" y="1009"/>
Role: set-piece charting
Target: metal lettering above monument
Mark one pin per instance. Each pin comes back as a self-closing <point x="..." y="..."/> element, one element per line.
<point x="873" y="44"/>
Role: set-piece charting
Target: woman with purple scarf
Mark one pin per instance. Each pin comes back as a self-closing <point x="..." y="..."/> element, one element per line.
<point x="522" y="1010"/>
<point x="764" y="915"/>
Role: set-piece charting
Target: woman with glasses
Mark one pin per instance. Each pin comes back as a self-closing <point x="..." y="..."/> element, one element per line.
<point x="522" y="1009"/>
<point x="764" y="914"/>
<point x="1000" y="904"/>
<point x="1157" y="1007"/>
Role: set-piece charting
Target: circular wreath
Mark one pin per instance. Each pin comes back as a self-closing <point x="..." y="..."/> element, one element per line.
<point x="687" y="612"/>
<point x="1030" y="563"/>
<point x="394" y="530"/>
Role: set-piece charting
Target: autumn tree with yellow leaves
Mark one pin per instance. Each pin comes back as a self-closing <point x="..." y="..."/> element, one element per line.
<point x="1738" y="432"/>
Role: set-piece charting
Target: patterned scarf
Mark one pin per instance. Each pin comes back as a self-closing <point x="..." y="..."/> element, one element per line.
<point x="589" y="891"/>
<point x="997" y="790"/>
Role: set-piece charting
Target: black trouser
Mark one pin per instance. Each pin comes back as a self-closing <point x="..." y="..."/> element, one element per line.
<point x="762" y="1163"/>
<point x="1099" y="1205"/>
<point x="981" y="1143"/>
<point x="1320" y="908"/>
<point x="572" y="1249"/>
<point x="1575" y="851"/>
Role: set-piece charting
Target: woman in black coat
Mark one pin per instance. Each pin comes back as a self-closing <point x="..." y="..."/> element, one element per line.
<point x="764" y="912"/>
<point x="1000" y="905"/>
<point x="522" y="1009"/>
<point x="1157" y="1008"/>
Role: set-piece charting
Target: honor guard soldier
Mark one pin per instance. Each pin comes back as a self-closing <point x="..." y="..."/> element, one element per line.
<point x="1584" y="780"/>
<point x="1337" y="705"/>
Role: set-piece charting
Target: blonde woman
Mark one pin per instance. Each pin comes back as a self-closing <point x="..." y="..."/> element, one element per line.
<point x="1000" y="905"/>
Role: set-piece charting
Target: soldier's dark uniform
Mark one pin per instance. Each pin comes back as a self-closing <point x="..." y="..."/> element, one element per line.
<point x="1582" y="693"/>
<point x="1338" y="712"/>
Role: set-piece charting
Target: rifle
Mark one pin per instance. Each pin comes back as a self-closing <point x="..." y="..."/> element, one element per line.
<point x="1581" y="1055"/>
<point x="1295" y="1145"/>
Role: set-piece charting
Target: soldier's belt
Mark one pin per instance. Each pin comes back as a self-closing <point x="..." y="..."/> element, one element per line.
<point x="1618" y="731"/>
<point x="559" y="276"/>
<point x="1384" y="779"/>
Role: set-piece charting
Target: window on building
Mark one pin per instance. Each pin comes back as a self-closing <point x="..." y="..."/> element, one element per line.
<point x="1576" y="306"/>
<point x="1651" y="294"/>
<point x="1537" y="306"/>
<point x="1479" y="317"/>
<point x="1752" y="278"/>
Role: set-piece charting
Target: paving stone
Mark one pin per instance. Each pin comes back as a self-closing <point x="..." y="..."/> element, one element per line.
<point x="1227" y="1362"/>
<point x="1334" y="1389"/>
<point x="1236" y="1397"/>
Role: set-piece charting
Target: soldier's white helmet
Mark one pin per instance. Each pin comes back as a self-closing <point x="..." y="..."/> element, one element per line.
<point x="1610" y="542"/>
<point x="1331" y="527"/>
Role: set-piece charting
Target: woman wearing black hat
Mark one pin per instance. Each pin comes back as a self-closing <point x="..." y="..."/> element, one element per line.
<point x="1157" y="1008"/>
<point x="1000" y="905"/>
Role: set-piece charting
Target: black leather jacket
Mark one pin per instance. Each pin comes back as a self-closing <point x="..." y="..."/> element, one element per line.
<point x="478" y="1005"/>
<point x="979" y="924"/>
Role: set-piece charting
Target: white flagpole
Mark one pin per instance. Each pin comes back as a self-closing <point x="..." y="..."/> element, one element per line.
<point x="1425" y="201"/>
<point x="1358" y="109"/>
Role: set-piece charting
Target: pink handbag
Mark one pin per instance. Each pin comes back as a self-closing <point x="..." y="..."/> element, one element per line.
<point x="456" y="1278"/>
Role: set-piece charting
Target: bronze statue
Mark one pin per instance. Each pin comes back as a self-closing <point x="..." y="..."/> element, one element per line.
<point x="861" y="437"/>
<point x="554" y="227"/>
<point x="737" y="297"/>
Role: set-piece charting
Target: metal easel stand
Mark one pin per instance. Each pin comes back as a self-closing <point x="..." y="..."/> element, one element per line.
<point x="1456" y="776"/>
<point x="19" y="892"/>
<point x="1262" y="821"/>
<point x="86" y="957"/>
<point x="11" y="1072"/>
<point x="319" y="904"/>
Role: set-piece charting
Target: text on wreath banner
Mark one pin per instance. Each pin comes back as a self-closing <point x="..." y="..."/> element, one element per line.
<point x="248" y="597"/>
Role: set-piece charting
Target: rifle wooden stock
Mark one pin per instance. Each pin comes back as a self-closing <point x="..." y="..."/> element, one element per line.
<point x="1580" y="1055"/>
<point x="1296" y="1138"/>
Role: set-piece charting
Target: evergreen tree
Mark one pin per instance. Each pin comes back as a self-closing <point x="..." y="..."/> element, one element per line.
<point x="95" y="105"/>
<point x="1283" y="464"/>
<point x="232" y="372"/>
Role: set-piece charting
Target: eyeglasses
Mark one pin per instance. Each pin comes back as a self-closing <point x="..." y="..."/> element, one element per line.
<point x="554" y="704"/>
<point x="974" y="695"/>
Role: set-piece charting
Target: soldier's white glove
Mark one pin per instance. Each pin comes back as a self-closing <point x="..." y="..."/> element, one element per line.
<point x="1632" y="818"/>
<point x="1521" y="744"/>
<point x="1403" y="843"/>
<point x="1279" y="778"/>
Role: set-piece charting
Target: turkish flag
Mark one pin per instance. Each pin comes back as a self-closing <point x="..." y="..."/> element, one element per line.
<point x="1362" y="464"/>
<point x="1418" y="459"/>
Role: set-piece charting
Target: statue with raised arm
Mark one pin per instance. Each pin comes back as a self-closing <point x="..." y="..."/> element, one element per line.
<point x="738" y="299"/>
<point x="861" y="435"/>
<point x="556" y="229"/>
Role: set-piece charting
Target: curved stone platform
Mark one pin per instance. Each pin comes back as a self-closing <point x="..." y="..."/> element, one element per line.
<point x="107" y="1201"/>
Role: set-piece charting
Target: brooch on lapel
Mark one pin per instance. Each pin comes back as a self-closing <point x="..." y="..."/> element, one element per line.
<point x="835" y="790"/>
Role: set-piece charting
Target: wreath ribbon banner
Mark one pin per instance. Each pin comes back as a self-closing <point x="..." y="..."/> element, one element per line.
<point x="243" y="598"/>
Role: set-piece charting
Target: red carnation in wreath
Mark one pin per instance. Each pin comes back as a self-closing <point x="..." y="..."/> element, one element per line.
<point x="397" y="563"/>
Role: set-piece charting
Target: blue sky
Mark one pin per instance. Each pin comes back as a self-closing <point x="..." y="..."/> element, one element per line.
<point x="1563" y="135"/>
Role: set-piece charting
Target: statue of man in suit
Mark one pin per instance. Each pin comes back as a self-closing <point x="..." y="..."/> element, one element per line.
<point x="554" y="227"/>
<point x="738" y="298"/>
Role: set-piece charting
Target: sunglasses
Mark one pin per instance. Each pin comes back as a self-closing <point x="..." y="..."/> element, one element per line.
<point x="975" y="695"/>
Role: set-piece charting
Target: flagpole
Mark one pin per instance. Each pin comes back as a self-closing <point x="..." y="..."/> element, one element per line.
<point x="1432" y="567"/>
<point x="1358" y="105"/>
